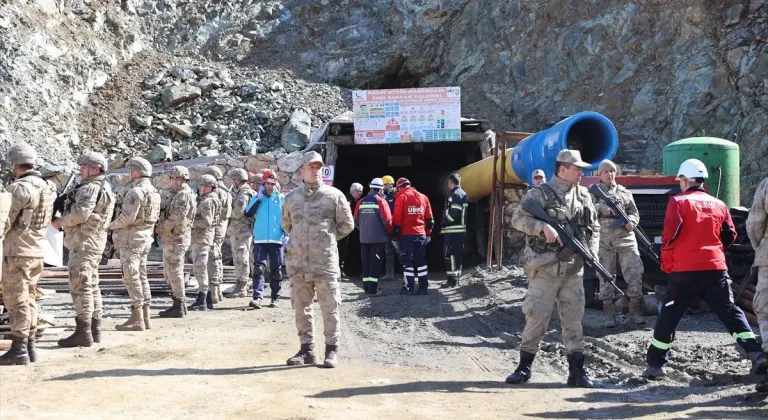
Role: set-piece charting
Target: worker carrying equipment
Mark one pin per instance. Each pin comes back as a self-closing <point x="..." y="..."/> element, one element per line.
<point x="412" y="224"/>
<point x="454" y="230"/>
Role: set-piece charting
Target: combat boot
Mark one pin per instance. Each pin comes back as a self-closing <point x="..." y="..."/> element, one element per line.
<point x="762" y="386"/>
<point x="147" y="319"/>
<point x="576" y="374"/>
<point x="523" y="372"/>
<point x="653" y="372"/>
<point x="449" y="283"/>
<point x="199" y="304"/>
<point x="241" y="290"/>
<point x="636" y="311"/>
<point x="331" y="356"/>
<point x="183" y="301"/>
<point x="305" y="356"/>
<point x="175" y="311"/>
<point x="17" y="354"/>
<point x="82" y="337"/>
<point x="32" y="347"/>
<point x="759" y="363"/>
<point x="609" y="309"/>
<point x="218" y="292"/>
<point x="213" y="292"/>
<point x="209" y="300"/>
<point x="134" y="323"/>
<point x="96" y="329"/>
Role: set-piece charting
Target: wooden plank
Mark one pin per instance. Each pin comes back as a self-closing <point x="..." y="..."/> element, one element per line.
<point x="342" y="140"/>
<point x="331" y="153"/>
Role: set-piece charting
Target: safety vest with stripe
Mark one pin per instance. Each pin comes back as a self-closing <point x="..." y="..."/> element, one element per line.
<point x="455" y="212"/>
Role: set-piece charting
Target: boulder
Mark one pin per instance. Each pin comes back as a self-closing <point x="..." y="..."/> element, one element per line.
<point x="297" y="132"/>
<point x="176" y="95"/>
<point x="189" y="151"/>
<point x="255" y="165"/>
<point x="184" y="130"/>
<point x="290" y="163"/>
<point x="161" y="153"/>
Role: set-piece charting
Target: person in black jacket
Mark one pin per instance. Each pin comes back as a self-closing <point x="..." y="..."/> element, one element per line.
<point x="374" y="221"/>
<point x="454" y="230"/>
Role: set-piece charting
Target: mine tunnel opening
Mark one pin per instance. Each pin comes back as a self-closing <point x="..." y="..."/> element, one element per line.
<point x="427" y="166"/>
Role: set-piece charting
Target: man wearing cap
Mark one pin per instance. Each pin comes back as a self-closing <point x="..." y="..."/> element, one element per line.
<point x="550" y="278"/>
<point x="374" y="220"/>
<point x="175" y="230"/>
<point x="88" y="210"/>
<point x="538" y="177"/>
<point x="618" y="244"/>
<point x="412" y="225"/>
<point x="454" y="230"/>
<point x="30" y="214"/>
<point x="389" y="247"/>
<point x="757" y="230"/>
<point x="132" y="234"/>
<point x="315" y="216"/>
<point x="266" y="209"/>
<point x="240" y="231"/>
<point x="697" y="229"/>
<point x="203" y="234"/>
<point x="216" y="265"/>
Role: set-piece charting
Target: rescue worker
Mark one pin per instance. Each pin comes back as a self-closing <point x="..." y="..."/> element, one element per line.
<point x="412" y="225"/>
<point x="31" y="210"/>
<point x="240" y="231"/>
<point x="757" y="230"/>
<point x="266" y="209"/>
<point x="454" y="230"/>
<point x="538" y="177"/>
<point x="132" y="234"/>
<point x="618" y="244"/>
<point x="204" y="225"/>
<point x="697" y="229"/>
<point x="88" y="211"/>
<point x="374" y="221"/>
<point x="315" y="216"/>
<point x="389" y="247"/>
<point x="551" y="279"/>
<point x="216" y="265"/>
<point x="351" y="265"/>
<point x="175" y="230"/>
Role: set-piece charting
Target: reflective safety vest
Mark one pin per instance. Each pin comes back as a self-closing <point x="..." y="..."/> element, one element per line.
<point x="455" y="212"/>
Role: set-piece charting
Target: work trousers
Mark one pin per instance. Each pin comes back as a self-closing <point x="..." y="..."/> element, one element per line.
<point x="714" y="287"/>
<point x="453" y="252"/>
<point x="328" y="296"/>
<point x="760" y="303"/>
<point x="215" y="263"/>
<point x="241" y="243"/>
<point x="543" y="292"/>
<point x="261" y="253"/>
<point x="372" y="256"/>
<point x="173" y="267"/>
<point x="134" y="264"/>
<point x="20" y="276"/>
<point x="200" y="267"/>
<point x="413" y="254"/>
<point x="84" y="283"/>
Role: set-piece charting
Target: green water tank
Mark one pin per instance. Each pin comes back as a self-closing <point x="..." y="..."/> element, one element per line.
<point x="721" y="158"/>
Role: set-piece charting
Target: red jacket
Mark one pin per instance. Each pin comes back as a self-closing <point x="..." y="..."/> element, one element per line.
<point x="413" y="213"/>
<point x="697" y="229"/>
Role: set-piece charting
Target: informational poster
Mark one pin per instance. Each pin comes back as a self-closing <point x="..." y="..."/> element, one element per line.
<point x="407" y="115"/>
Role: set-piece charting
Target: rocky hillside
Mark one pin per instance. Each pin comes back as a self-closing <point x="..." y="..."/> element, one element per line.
<point x="660" y="70"/>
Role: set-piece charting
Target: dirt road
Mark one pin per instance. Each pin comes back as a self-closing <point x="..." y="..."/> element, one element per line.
<point x="434" y="357"/>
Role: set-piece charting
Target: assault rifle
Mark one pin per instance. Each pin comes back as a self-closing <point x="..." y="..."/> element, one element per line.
<point x="622" y="219"/>
<point x="571" y="244"/>
<point x="61" y="202"/>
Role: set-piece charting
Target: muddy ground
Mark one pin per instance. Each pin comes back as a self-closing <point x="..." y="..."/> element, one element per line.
<point x="445" y="354"/>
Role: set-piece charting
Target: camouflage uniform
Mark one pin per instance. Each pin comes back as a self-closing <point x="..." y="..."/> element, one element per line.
<point x="240" y="233"/>
<point x="757" y="230"/>
<point x="86" y="218"/>
<point x="132" y="234"/>
<point x="203" y="234"/>
<point x="175" y="232"/>
<point x="28" y="219"/>
<point x="315" y="216"/>
<point x="215" y="264"/>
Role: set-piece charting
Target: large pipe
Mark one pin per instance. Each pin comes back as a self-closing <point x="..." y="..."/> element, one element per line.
<point x="589" y="132"/>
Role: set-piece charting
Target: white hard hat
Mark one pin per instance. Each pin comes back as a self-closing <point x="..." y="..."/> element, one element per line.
<point x="376" y="183"/>
<point x="356" y="187"/>
<point x="692" y="169"/>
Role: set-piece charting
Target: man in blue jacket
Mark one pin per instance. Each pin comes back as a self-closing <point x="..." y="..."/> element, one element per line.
<point x="266" y="209"/>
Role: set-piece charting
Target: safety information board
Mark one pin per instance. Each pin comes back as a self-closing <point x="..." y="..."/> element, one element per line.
<point x="407" y="115"/>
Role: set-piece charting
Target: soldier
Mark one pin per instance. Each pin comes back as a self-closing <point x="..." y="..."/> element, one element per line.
<point x="216" y="266"/>
<point x="551" y="279"/>
<point x="239" y="230"/>
<point x="389" y="248"/>
<point x="538" y="177"/>
<point x="132" y="234"/>
<point x="175" y="233"/>
<point x="28" y="220"/>
<point x="454" y="230"/>
<point x="88" y="211"/>
<point x="757" y="230"/>
<point x="619" y="243"/>
<point x="203" y="234"/>
<point x="315" y="216"/>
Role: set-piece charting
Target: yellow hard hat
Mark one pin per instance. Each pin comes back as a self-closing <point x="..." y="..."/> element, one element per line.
<point x="387" y="180"/>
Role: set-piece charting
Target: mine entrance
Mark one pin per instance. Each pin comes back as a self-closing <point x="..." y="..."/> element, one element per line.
<point x="427" y="166"/>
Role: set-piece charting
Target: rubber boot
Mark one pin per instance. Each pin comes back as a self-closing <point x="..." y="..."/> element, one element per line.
<point x="96" y="329"/>
<point x="241" y="290"/>
<point x="636" y="310"/>
<point x="423" y="287"/>
<point x="449" y="283"/>
<point x="609" y="309"/>
<point x="175" y="311"/>
<point x="32" y="347"/>
<point x="523" y="372"/>
<point x="759" y="363"/>
<point x="199" y="304"/>
<point x="209" y="300"/>
<point x="17" y="354"/>
<point x="134" y="323"/>
<point x="305" y="356"/>
<point x="366" y="286"/>
<point x="82" y="337"/>
<point x="147" y="319"/>
<point x="213" y="292"/>
<point x="373" y="288"/>
<point x="576" y="374"/>
<point x="762" y="386"/>
<point x="331" y="356"/>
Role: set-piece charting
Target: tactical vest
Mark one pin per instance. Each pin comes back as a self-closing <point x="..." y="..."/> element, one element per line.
<point x="39" y="217"/>
<point x="105" y="204"/>
<point x="151" y="206"/>
<point x="578" y="224"/>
